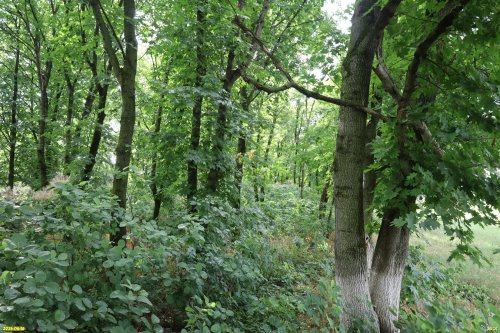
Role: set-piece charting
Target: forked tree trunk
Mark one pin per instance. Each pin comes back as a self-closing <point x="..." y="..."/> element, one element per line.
<point x="351" y="271"/>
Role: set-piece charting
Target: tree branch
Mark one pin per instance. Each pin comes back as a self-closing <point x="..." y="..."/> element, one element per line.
<point x="291" y="82"/>
<point x="425" y="45"/>
<point x="106" y="37"/>
<point x="426" y="134"/>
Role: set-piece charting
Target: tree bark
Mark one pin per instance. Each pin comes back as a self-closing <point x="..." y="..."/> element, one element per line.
<point x="126" y="78"/>
<point x="13" y="122"/>
<point x="154" y="186"/>
<point x="266" y="154"/>
<point x="68" y="153"/>
<point x="242" y="146"/>
<point x="43" y="80"/>
<point x="97" y="135"/>
<point x="351" y="271"/>
<point x="232" y="74"/>
<point x="201" y="70"/>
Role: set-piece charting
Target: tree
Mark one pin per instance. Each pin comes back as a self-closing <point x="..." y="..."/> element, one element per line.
<point x="398" y="211"/>
<point x="125" y="75"/>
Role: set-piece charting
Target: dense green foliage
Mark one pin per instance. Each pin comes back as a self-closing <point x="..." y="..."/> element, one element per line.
<point x="227" y="272"/>
<point x="246" y="166"/>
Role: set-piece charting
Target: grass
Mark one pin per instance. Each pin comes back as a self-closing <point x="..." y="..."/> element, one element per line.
<point x="438" y="246"/>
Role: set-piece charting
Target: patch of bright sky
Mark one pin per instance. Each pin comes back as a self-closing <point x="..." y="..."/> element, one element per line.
<point x="337" y="10"/>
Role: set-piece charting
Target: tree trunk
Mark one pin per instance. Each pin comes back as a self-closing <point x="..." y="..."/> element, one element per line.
<point x="266" y="154"/>
<point x="388" y="265"/>
<point x="68" y="153"/>
<point x="201" y="70"/>
<point x="216" y="172"/>
<point x="351" y="271"/>
<point x="13" y="123"/>
<point x="126" y="79"/>
<point x="154" y="186"/>
<point x="96" y="137"/>
<point x="323" y="201"/>
<point x="43" y="80"/>
<point x="302" y="176"/>
<point x="242" y="146"/>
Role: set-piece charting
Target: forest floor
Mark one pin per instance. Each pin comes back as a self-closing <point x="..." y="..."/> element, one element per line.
<point x="438" y="246"/>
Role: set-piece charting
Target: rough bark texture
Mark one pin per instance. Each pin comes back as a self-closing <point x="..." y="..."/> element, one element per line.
<point x="388" y="265"/>
<point x="369" y="177"/>
<point x="351" y="270"/>
<point x="201" y="70"/>
<point x="13" y="123"/>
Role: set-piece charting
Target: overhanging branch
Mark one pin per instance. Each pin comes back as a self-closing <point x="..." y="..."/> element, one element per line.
<point x="291" y="82"/>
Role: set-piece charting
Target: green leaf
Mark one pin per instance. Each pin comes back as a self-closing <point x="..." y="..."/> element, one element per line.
<point x="87" y="303"/>
<point x="155" y="319"/>
<point x="144" y="299"/>
<point x="78" y="303"/>
<point x="108" y="263"/>
<point x="40" y="277"/>
<point x="52" y="287"/>
<point x="11" y="293"/>
<point x="59" y="315"/>
<point x="22" y="301"/>
<point x="77" y="289"/>
<point x="215" y="328"/>
<point x="70" y="324"/>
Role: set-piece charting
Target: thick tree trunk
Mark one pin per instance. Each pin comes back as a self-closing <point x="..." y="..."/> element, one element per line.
<point x="351" y="271"/>
<point x="97" y="135"/>
<point x="13" y="123"/>
<point x="388" y="265"/>
<point x="124" y="146"/>
<point x="201" y="70"/>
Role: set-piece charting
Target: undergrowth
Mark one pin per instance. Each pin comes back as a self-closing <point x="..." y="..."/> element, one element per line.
<point x="265" y="268"/>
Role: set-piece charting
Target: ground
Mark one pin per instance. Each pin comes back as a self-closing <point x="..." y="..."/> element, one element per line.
<point x="438" y="246"/>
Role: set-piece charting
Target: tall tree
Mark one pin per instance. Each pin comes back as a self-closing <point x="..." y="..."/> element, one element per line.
<point x="201" y="70"/>
<point x="125" y="75"/>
